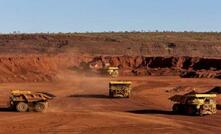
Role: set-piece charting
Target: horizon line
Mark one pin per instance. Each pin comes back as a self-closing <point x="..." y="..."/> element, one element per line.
<point x="93" y="32"/>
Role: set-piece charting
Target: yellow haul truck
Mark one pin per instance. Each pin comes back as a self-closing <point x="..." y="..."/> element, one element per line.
<point x="194" y="104"/>
<point x="23" y="101"/>
<point x="113" y="71"/>
<point x="120" y="89"/>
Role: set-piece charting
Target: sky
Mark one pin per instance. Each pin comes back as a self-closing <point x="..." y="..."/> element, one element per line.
<point x="31" y="16"/>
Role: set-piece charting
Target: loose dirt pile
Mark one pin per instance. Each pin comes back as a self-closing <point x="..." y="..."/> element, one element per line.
<point x="36" y="68"/>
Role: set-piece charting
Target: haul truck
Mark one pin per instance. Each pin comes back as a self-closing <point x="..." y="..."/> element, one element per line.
<point x="24" y="101"/>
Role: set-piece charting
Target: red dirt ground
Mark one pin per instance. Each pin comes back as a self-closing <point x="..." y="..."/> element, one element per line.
<point x="82" y="106"/>
<point x="68" y="65"/>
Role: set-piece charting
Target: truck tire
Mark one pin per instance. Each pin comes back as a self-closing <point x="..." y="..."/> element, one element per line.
<point x="190" y="110"/>
<point x="22" y="107"/>
<point x="201" y="112"/>
<point x="202" y="109"/>
<point x="176" y="108"/>
<point x="111" y="95"/>
<point x="40" y="106"/>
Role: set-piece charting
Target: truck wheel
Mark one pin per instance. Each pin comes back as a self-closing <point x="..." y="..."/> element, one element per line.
<point x="213" y="109"/>
<point x="190" y="110"/>
<point x="22" y="107"/>
<point x="40" y="107"/>
<point x="201" y="111"/>
<point x="176" y="108"/>
<point x="111" y="95"/>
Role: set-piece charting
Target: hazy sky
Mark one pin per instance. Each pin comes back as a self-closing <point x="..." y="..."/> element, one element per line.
<point x="109" y="15"/>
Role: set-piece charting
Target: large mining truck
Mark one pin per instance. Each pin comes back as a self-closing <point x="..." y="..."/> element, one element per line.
<point x="194" y="104"/>
<point x="24" y="101"/>
<point x="120" y="89"/>
<point x="112" y="71"/>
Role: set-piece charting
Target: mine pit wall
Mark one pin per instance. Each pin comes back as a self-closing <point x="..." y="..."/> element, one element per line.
<point x="136" y="62"/>
<point x="141" y="66"/>
<point x="43" y="68"/>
